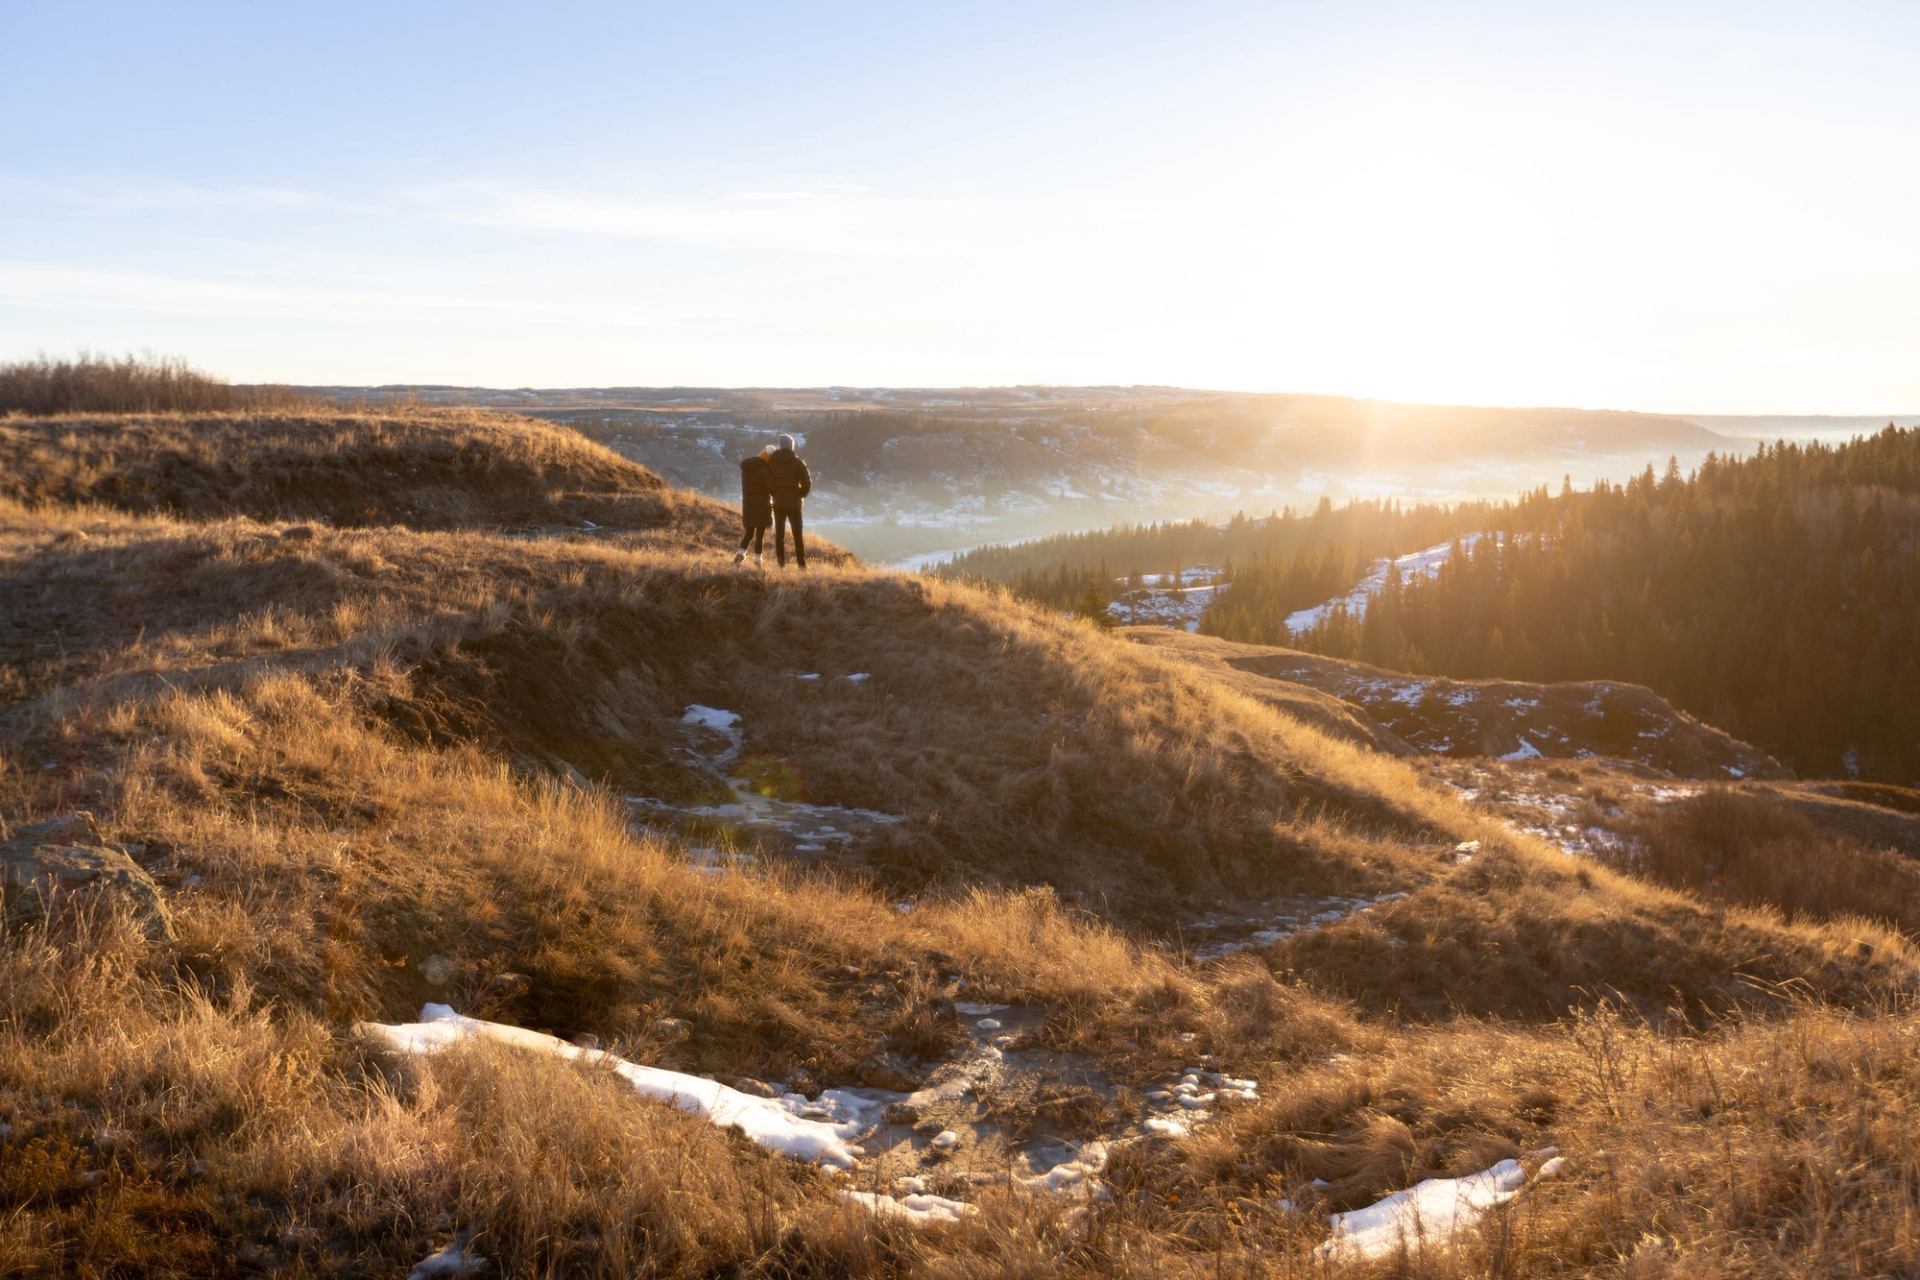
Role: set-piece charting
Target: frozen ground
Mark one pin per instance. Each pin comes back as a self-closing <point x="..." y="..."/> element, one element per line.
<point x="714" y="741"/>
<point x="972" y="1124"/>
<point x="916" y="1156"/>
<point x="1581" y="819"/>
<point x="1222" y="933"/>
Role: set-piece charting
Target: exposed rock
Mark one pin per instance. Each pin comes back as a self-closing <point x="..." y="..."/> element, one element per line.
<point x="587" y="1040"/>
<point x="889" y="1071"/>
<point x="46" y="861"/>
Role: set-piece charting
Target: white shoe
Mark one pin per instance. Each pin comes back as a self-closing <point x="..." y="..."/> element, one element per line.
<point x="740" y="555"/>
<point x="757" y="562"/>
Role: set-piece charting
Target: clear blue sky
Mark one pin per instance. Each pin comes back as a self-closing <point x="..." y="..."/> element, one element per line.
<point x="1673" y="206"/>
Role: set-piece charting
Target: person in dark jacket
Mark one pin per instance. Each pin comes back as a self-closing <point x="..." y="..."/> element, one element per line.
<point x="789" y="481"/>
<point x="756" y="504"/>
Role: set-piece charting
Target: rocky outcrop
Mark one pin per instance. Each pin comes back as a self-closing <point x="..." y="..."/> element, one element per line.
<point x="45" y="863"/>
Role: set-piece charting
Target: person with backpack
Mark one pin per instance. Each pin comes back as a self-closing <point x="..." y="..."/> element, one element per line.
<point x="756" y="504"/>
<point x="789" y="482"/>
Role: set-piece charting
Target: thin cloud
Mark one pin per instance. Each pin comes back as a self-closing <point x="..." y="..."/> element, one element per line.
<point x="113" y="194"/>
<point x="848" y="221"/>
<point x="56" y="286"/>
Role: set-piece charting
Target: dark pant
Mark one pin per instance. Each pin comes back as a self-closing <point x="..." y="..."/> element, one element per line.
<point x="752" y="537"/>
<point x="780" y="520"/>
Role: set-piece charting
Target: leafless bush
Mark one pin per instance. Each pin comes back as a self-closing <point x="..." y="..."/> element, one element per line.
<point x="89" y="383"/>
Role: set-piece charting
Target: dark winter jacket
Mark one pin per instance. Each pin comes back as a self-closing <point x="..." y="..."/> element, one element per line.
<point x="756" y="500"/>
<point x="788" y="479"/>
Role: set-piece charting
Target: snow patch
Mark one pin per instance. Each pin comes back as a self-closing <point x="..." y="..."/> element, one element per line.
<point x="1424" y="563"/>
<point x="457" y="1259"/>
<point x="767" y="1122"/>
<point x="1428" y="1213"/>
<point x="714" y="718"/>
<point x="919" y="1208"/>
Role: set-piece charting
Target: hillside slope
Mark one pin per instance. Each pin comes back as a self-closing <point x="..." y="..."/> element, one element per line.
<point x="562" y="782"/>
<point x="1508" y="719"/>
<point x="440" y="469"/>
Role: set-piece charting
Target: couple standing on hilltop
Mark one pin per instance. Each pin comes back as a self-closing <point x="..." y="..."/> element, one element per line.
<point x="773" y="484"/>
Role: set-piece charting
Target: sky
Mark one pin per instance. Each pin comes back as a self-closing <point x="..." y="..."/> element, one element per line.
<point x="1682" y="207"/>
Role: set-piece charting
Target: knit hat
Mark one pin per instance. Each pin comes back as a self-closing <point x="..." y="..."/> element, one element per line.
<point x="786" y="442"/>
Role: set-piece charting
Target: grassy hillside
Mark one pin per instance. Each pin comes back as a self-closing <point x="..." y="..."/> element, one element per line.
<point x="372" y="766"/>
<point x="436" y="469"/>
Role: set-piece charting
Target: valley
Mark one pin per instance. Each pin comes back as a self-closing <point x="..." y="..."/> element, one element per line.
<point x="906" y="472"/>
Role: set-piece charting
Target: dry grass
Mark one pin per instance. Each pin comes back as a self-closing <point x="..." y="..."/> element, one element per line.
<point x="1777" y="1147"/>
<point x="1737" y="846"/>
<point x="1019" y="746"/>
<point x="340" y="755"/>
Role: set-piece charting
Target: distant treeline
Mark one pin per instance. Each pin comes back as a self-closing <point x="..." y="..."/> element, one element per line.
<point x="1280" y="562"/>
<point x="128" y="384"/>
<point x="1777" y="596"/>
<point x="1374" y="526"/>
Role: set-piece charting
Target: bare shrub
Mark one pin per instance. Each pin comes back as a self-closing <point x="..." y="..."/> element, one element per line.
<point x="89" y="383"/>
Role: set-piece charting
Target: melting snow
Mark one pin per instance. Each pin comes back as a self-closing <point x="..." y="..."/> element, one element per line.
<point x="1428" y="1213"/>
<point x="814" y="827"/>
<point x="1190" y="1100"/>
<point x="919" y="1208"/>
<point x="1282" y="919"/>
<point x="1525" y="751"/>
<point x="1078" y="1174"/>
<point x="975" y="1009"/>
<point x="714" y="718"/>
<point x="769" y="1123"/>
<point x="454" y="1260"/>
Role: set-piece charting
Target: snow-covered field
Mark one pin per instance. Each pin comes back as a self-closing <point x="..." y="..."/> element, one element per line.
<point x="1161" y="601"/>
<point x="1425" y="563"/>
